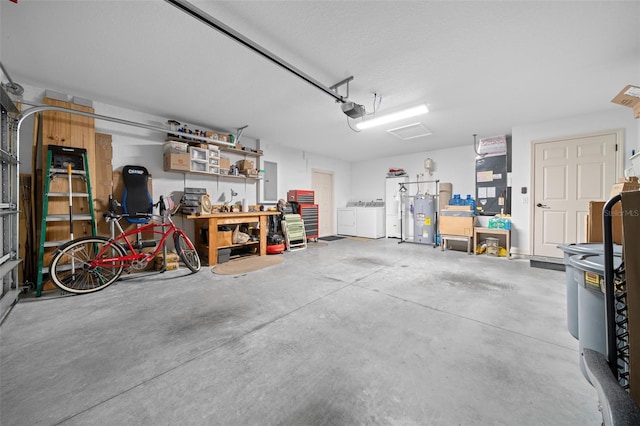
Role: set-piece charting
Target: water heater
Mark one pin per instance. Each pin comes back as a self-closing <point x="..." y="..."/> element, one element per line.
<point x="424" y="214"/>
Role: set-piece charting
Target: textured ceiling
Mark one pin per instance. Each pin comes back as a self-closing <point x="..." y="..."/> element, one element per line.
<point x="482" y="66"/>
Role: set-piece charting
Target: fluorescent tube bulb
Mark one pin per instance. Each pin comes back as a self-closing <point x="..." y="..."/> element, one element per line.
<point x="396" y="116"/>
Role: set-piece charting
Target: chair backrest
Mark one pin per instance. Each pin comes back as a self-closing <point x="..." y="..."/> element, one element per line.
<point x="136" y="201"/>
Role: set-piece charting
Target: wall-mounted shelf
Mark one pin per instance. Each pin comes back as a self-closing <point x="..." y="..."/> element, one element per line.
<point x="213" y="175"/>
<point x="223" y="148"/>
<point x="174" y="167"/>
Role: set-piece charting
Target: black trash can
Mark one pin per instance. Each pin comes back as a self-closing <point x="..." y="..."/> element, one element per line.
<point x="589" y="273"/>
<point x="572" y="287"/>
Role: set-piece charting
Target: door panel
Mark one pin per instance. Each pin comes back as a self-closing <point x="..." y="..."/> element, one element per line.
<point x="322" y="185"/>
<point x="568" y="173"/>
<point x="556" y="179"/>
<point x="589" y="181"/>
<point x="554" y="225"/>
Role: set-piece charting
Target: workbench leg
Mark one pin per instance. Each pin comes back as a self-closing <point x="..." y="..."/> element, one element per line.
<point x="263" y="235"/>
<point x="475" y="240"/>
<point x="213" y="241"/>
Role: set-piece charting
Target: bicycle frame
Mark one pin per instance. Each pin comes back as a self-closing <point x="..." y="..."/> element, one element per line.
<point x="123" y="239"/>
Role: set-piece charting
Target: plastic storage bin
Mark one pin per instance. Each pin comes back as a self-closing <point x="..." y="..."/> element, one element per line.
<point x="589" y="274"/>
<point x="571" y="283"/>
<point x="224" y="255"/>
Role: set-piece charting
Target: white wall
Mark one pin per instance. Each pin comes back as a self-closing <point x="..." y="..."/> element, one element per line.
<point x="455" y="165"/>
<point x="132" y="145"/>
<point x="295" y="168"/>
<point x="353" y="181"/>
<point x="522" y="136"/>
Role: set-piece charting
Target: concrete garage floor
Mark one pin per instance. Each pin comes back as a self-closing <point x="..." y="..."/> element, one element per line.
<point x="348" y="332"/>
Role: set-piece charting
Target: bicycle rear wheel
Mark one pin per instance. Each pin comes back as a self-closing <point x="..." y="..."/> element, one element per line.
<point x="187" y="251"/>
<point x="70" y="267"/>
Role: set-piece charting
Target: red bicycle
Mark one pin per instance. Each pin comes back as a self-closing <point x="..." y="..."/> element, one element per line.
<point x="89" y="264"/>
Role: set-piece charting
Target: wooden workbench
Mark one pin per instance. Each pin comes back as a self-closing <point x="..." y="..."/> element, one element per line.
<point x="209" y="250"/>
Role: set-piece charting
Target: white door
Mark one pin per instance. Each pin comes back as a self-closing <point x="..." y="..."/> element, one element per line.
<point x="322" y="185"/>
<point x="568" y="173"/>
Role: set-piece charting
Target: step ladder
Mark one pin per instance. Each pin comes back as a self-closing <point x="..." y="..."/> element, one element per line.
<point x="70" y="164"/>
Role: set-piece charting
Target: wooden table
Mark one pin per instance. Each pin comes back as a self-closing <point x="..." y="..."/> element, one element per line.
<point x="209" y="249"/>
<point x="489" y="231"/>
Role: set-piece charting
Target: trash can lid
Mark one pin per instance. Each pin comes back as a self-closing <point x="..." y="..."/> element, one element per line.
<point x="592" y="262"/>
<point x="589" y="248"/>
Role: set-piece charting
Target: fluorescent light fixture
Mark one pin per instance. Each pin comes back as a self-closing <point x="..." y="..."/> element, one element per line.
<point x="396" y="116"/>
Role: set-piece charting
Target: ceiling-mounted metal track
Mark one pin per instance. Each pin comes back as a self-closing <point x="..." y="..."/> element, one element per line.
<point x="204" y="17"/>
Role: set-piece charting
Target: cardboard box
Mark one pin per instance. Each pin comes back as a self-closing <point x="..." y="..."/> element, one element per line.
<point x="631" y="221"/>
<point x="250" y="172"/>
<point x="217" y="136"/>
<point x="225" y="238"/>
<point x="245" y="164"/>
<point x="594" y="222"/>
<point x="174" y="161"/>
<point x="225" y="163"/>
<point x="452" y="225"/>
<point x="623" y="184"/>
<point x="448" y="207"/>
<point x="629" y="97"/>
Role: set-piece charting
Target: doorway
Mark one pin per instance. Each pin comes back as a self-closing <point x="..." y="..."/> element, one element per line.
<point x="567" y="174"/>
<point x="322" y="185"/>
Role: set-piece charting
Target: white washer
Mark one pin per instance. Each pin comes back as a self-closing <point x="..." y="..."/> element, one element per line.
<point x="370" y="220"/>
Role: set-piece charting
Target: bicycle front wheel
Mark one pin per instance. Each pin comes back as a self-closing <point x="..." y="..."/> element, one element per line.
<point x="187" y="251"/>
<point x="70" y="268"/>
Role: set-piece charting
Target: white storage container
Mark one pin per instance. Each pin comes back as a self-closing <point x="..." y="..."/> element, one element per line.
<point x="174" y="146"/>
<point x="199" y="166"/>
<point x="201" y="154"/>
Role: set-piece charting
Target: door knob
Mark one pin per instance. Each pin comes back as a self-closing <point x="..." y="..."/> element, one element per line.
<point x="542" y="205"/>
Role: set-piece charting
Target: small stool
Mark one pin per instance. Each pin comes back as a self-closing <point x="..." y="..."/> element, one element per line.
<point x="477" y="231"/>
<point x="445" y="238"/>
